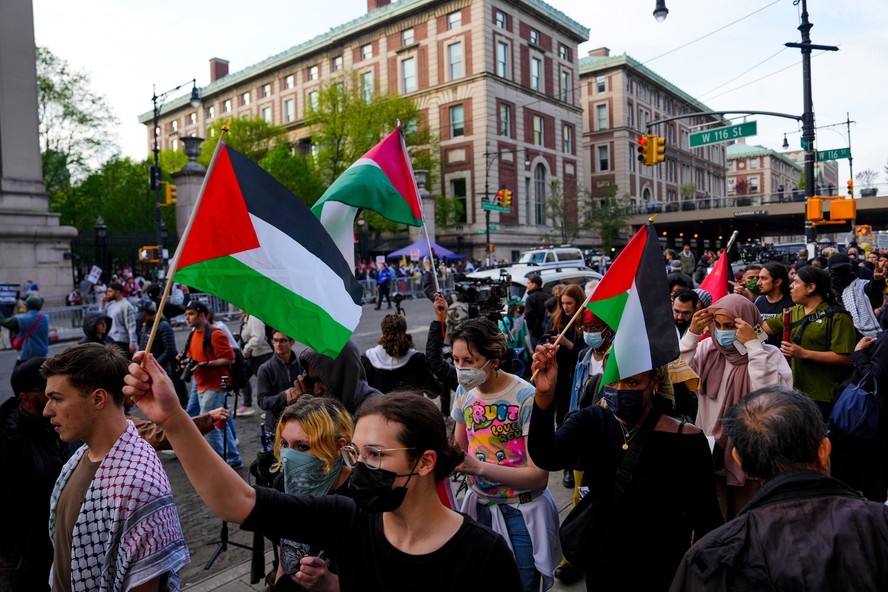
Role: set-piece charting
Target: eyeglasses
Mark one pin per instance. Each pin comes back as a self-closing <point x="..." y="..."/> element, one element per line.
<point x="370" y="455"/>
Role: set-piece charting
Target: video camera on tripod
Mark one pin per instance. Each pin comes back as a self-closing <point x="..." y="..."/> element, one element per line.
<point x="484" y="296"/>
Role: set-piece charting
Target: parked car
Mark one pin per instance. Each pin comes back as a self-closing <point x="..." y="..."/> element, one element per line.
<point x="551" y="275"/>
<point x="551" y="256"/>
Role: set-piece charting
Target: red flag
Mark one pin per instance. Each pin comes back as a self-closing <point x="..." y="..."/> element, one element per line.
<point x="716" y="283"/>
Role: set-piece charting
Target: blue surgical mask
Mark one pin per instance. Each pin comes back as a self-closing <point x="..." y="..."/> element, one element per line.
<point x="726" y="338"/>
<point x="593" y="340"/>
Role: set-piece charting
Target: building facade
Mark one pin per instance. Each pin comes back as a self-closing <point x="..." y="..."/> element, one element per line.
<point x="762" y="174"/>
<point x="621" y="98"/>
<point x="495" y="80"/>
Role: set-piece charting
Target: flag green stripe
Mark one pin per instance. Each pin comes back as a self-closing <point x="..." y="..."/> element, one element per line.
<point x="611" y="309"/>
<point x="367" y="186"/>
<point x="246" y="288"/>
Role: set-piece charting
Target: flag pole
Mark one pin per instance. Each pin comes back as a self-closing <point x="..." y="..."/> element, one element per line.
<point x="579" y="311"/>
<point x="174" y="263"/>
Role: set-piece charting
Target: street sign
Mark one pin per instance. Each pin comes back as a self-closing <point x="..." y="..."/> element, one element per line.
<point x="492" y="227"/>
<point x="482" y="231"/>
<point x="723" y="134"/>
<point x="493" y="207"/>
<point x="836" y="154"/>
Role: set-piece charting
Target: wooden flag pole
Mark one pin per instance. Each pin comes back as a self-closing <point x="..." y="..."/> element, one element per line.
<point x="174" y="263"/>
<point x="579" y="311"/>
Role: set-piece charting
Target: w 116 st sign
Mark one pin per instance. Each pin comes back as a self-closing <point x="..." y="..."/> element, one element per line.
<point x="723" y="134"/>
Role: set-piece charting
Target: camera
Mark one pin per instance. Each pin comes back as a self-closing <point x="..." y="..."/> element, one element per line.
<point x="188" y="365"/>
<point x="398" y="298"/>
<point x="293" y="552"/>
<point x="484" y="296"/>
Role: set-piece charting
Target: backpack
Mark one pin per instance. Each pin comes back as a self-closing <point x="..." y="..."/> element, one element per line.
<point x="239" y="370"/>
<point x="856" y="411"/>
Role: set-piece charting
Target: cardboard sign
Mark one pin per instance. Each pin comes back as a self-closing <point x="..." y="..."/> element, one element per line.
<point x="94" y="274"/>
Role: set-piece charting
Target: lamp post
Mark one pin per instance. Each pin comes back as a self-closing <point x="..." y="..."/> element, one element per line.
<point x="157" y="101"/>
<point x="661" y="12"/>
<point x="489" y="159"/>
<point x="101" y="245"/>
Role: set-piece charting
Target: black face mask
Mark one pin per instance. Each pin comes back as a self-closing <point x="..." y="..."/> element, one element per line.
<point x="627" y="404"/>
<point x="372" y="488"/>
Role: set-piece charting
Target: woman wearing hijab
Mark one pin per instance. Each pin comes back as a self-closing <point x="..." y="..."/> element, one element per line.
<point x="731" y="364"/>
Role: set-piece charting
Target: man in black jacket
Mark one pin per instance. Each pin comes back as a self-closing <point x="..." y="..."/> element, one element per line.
<point x="277" y="378"/>
<point x="535" y="308"/>
<point x="802" y="530"/>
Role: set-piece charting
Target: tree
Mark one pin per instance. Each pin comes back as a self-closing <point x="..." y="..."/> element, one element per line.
<point x="866" y="177"/>
<point x="688" y="191"/>
<point x="449" y="212"/>
<point x="172" y="161"/>
<point x="606" y="213"/>
<point x="75" y="123"/>
<point x="741" y="187"/>
<point x="251" y="136"/>
<point x="345" y="125"/>
<point x="562" y="213"/>
<point x="295" y="172"/>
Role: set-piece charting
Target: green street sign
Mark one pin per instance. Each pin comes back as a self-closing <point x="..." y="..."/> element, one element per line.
<point x="836" y="154"/>
<point x="485" y="205"/>
<point x="492" y="227"/>
<point x="482" y="231"/>
<point x="723" y="134"/>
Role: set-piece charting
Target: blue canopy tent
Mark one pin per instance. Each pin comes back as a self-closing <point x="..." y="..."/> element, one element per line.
<point x="423" y="247"/>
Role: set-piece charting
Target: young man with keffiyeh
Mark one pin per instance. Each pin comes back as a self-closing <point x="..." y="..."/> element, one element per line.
<point x="113" y="520"/>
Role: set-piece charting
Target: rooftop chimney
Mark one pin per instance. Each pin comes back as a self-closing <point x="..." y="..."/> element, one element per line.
<point x="601" y="52"/>
<point x="374" y="4"/>
<point x="218" y="69"/>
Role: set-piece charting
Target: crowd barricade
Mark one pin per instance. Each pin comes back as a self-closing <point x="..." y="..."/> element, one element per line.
<point x="409" y="287"/>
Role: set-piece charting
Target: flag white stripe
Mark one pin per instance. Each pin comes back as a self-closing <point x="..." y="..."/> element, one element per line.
<point x="338" y="219"/>
<point x="631" y="338"/>
<point x="286" y="262"/>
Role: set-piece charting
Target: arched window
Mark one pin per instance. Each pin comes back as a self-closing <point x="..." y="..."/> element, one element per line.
<point x="539" y="187"/>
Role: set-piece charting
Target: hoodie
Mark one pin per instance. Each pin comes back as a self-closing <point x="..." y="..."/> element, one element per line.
<point x="90" y="320"/>
<point x="410" y="371"/>
<point x="344" y="376"/>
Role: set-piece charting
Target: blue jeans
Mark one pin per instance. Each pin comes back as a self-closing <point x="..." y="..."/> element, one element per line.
<point x="521" y="543"/>
<point x="204" y="402"/>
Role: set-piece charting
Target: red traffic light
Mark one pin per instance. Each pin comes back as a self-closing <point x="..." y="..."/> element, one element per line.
<point x="642" y="140"/>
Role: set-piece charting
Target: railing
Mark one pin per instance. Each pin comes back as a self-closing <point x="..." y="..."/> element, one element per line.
<point x="409" y="287"/>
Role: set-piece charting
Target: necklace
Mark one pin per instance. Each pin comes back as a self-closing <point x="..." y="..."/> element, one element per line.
<point x="628" y="434"/>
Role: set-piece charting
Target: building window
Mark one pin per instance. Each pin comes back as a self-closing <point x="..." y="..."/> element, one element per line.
<point x="536" y="74"/>
<point x="174" y="126"/>
<point x="406" y="37"/>
<point x="367" y="86"/>
<point x="174" y="144"/>
<point x="408" y="75"/>
<point x="226" y="106"/>
<point x="211" y="112"/>
<point x="502" y="60"/>
<point x="454" y="20"/>
<point x="192" y="118"/>
<point x="458" y="192"/>
<point x="563" y="52"/>
<point x="367" y="51"/>
<point x="601" y="116"/>
<point x="600" y="84"/>
<point x="500" y="19"/>
<point x="313" y="100"/>
<point x="313" y="72"/>
<point x="534" y="36"/>
<point x="266" y="114"/>
<point x="567" y="139"/>
<point x="245" y="99"/>
<point x="505" y="120"/>
<point x="603" y="158"/>
<point x="289" y="81"/>
<point x="455" y="60"/>
<point x="538" y="130"/>
<point x="565" y="87"/>
<point x="539" y="187"/>
<point x="266" y="91"/>
<point x="457" y="121"/>
<point x="289" y="110"/>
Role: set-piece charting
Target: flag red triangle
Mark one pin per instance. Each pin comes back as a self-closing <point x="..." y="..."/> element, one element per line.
<point x="716" y="283"/>
<point x="391" y="156"/>
<point x="222" y="225"/>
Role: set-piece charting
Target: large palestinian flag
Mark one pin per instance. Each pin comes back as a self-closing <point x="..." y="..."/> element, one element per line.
<point x="256" y="245"/>
<point x="381" y="181"/>
<point x="633" y="299"/>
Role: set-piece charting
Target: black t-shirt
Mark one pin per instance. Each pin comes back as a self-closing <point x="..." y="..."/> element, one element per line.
<point x="769" y="310"/>
<point x="367" y="562"/>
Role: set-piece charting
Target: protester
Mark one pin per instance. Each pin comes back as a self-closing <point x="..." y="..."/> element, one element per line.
<point x="639" y="525"/>
<point x="860" y="297"/>
<point x="507" y="492"/>
<point x="30" y="329"/>
<point x="571" y="343"/>
<point x="748" y="285"/>
<point x="535" y="307"/>
<point x="256" y="351"/>
<point x="383" y="286"/>
<point x="342" y="378"/>
<point x="774" y="298"/>
<point x="394" y="364"/>
<point x="802" y="530"/>
<point x="123" y="319"/>
<point x="277" y="379"/>
<point x="514" y="328"/>
<point x="684" y="305"/>
<point x="112" y="516"/>
<point x="95" y="328"/>
<point x="443" y="370"/>
<point x="408" y="538"/>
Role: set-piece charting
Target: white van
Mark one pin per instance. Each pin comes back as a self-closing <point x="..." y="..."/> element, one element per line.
<point x="551" y="256"/>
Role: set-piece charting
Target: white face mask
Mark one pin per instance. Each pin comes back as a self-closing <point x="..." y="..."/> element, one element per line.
<point x="470" y="377"/>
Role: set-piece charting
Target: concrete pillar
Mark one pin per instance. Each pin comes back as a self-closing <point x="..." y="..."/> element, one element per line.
<point x="188" y="182"/>
<point x="32" y="243"/>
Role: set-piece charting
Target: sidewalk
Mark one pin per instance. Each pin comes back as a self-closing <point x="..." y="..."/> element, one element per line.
<point x="237" y="578"/>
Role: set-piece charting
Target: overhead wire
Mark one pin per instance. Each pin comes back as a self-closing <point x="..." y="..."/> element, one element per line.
<point x="702" y="96"/>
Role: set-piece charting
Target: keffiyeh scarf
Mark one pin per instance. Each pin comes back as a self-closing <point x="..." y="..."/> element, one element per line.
<point x="128" y="530"/>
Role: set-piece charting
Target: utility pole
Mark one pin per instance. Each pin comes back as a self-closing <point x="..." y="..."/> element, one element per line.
<point x="808" y="115"/>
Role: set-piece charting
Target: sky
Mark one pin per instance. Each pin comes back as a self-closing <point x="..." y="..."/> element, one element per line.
<point x="126" y="46"/>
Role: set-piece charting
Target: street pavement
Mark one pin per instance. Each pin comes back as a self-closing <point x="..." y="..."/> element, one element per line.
<point x="231" y="570"/>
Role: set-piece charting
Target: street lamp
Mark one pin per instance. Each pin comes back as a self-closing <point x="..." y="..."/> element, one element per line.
<point x="490" y="158"/>
<point x="157" y="101"/>
<point x="661" y="12"/>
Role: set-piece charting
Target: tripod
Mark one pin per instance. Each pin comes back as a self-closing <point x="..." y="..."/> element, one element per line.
<point x="223" y="543"/>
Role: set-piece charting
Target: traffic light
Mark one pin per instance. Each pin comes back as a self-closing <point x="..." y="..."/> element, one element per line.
<point x="814" y="209"/>
<point x="851" y="188"/>
<point x="843" y="209"/>
<point x="645" y="150"/>
<point x="500" y="197"/>
<point x="507" y="198"/>
<point x="149" y="254"/>
<point x="170" y="194"/>
<point x="658" y="150"/>
<point x="154" y="177"/>
<point x="863" y="231"/>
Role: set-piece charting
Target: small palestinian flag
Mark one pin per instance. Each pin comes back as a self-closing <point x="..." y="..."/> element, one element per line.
<point x="381" y="181"/>
<point x="633" y="299"/>
<point x="256" y="245"/>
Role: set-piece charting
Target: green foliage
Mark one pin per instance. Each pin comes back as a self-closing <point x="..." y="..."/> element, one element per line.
<point x="344" y="126"/>
<point x="251" y="136"/>
<point x="449" y="212"/>
<point x="295" y="172"/>
<point x="560" y="211"/>
<point x="607" y="214"/>
<point x="688" y="191"/>
<point x="171" y="161"/>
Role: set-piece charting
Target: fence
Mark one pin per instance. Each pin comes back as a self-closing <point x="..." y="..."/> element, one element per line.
<point x="409" y="287"/>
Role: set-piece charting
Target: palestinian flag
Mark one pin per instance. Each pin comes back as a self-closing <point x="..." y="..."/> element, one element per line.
<point x="633" y="299"/>
<point x="381" y="181"/>
<point x="256" y="245"/>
